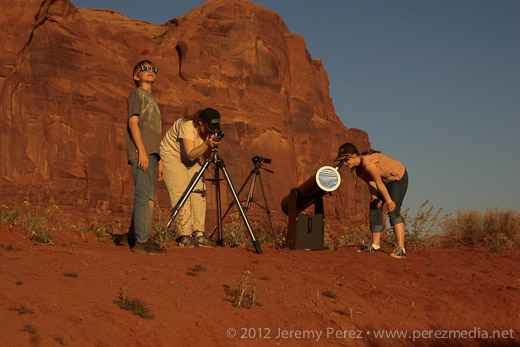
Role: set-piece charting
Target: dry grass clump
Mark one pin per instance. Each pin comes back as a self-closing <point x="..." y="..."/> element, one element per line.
<point x="245" y="295"/>
<point x="136" y="306"/>
<point x="165" y="236"/>
<point x="357" y="236"/>
<point x="36" y="222"/>
<point x="494" y="230"/>
<point x="8" y="216"/>
<point x="419" y="230"/>
<point x="236" y="226"/>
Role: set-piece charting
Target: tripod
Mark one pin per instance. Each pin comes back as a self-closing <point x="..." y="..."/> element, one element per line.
<point x="218" y="164"/>
<point x="257" y="161"/>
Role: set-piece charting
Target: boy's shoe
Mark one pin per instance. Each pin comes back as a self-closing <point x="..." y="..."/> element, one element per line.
<point x="148" y="247"/>
<point x="204" y="241"/>
<point x="187" y="241"/>
<point x="369" y="249"/>
<point x="123" y="240"/>
<point x="398" y="253"/>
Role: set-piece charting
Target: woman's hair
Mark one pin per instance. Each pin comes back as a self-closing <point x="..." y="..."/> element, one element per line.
<point x="198" y="123"/>
<point x="137" y="69"/>
<point x="349" y="149"/>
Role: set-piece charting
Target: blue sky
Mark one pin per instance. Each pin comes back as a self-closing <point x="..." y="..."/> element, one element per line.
<point x="435" y="84"/>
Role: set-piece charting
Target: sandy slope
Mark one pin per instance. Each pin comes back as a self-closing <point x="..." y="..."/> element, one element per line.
<point x="433" y="290"/>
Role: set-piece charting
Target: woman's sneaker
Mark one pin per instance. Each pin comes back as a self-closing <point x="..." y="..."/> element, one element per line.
<point x="204" y="241"/>
<point x="369" y="249"/>
<point x="398" y="253"/>
<point x="187" y="241"/>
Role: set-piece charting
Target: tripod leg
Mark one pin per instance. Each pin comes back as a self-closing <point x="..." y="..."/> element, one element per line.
<point x="247" y="204"/>
<point x="244" y="217"/>
<point x="239" y="191"/>
<point x="267" y="208"/>
<point x="186" y="193"/>
<point x="220" y="239"/>
<point x="232" y="203"/>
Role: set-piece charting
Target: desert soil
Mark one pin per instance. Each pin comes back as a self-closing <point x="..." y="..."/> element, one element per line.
<point x="329" y="297"/>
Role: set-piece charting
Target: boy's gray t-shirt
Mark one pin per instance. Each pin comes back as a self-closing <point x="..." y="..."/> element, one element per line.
<point x="142" y="104"/>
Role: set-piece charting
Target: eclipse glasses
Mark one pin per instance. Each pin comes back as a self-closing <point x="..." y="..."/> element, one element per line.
<point x="152" y="68"/>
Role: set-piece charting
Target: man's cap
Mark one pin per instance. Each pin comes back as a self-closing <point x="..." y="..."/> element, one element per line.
<point x="211" y="117"/>
<point x="346" y="150"/>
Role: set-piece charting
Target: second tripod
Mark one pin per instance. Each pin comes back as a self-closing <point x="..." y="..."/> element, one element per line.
<point x="218" y="164"/>
<point x="253" y="175"/>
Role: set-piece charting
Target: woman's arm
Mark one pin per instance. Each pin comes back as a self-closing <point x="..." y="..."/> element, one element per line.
<point x="374" y="197"/>
<point x="192" y="153"/>
<point x="374" y="172"/>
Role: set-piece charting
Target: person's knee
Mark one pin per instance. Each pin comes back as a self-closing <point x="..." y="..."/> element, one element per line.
<point x="394" y="220"/>
<point x="376" y="228"/>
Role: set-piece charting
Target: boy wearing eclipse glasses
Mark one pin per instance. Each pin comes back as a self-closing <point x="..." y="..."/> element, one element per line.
<point x="143" y="139"/>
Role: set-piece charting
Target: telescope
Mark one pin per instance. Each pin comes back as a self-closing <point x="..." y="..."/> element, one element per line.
<point x="305" y="231"/>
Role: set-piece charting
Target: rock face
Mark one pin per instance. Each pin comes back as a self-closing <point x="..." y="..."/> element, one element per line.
<point x="65" y="73"/>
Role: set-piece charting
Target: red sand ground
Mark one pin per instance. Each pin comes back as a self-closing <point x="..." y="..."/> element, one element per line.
<point x="432" y="291"/>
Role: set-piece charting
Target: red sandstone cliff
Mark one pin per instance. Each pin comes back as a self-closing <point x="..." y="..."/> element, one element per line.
<point x="65" y="73"/>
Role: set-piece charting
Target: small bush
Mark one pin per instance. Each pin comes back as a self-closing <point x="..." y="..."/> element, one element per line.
<point x="30" y="329"/>
<point x="245" y="295"/>
<point x="35" y="222"/>
<point x="22" y="309"/>
<point x="60" y="340"/>
<point x="494" y="230"/>
<point x="102" y="231"/>
<point x="136" y="306"/>
<point x="8" y="216"/>
<point x="262" y="233"/>
<point x="194" y="271"/>
<point x="328" y="241"/>
<point x="343" y="312"/>
<point x="420" y="229"/>
<point x="329" y="294"/>
<point x="165" y="236"/>
<point x="358" y="236"/>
